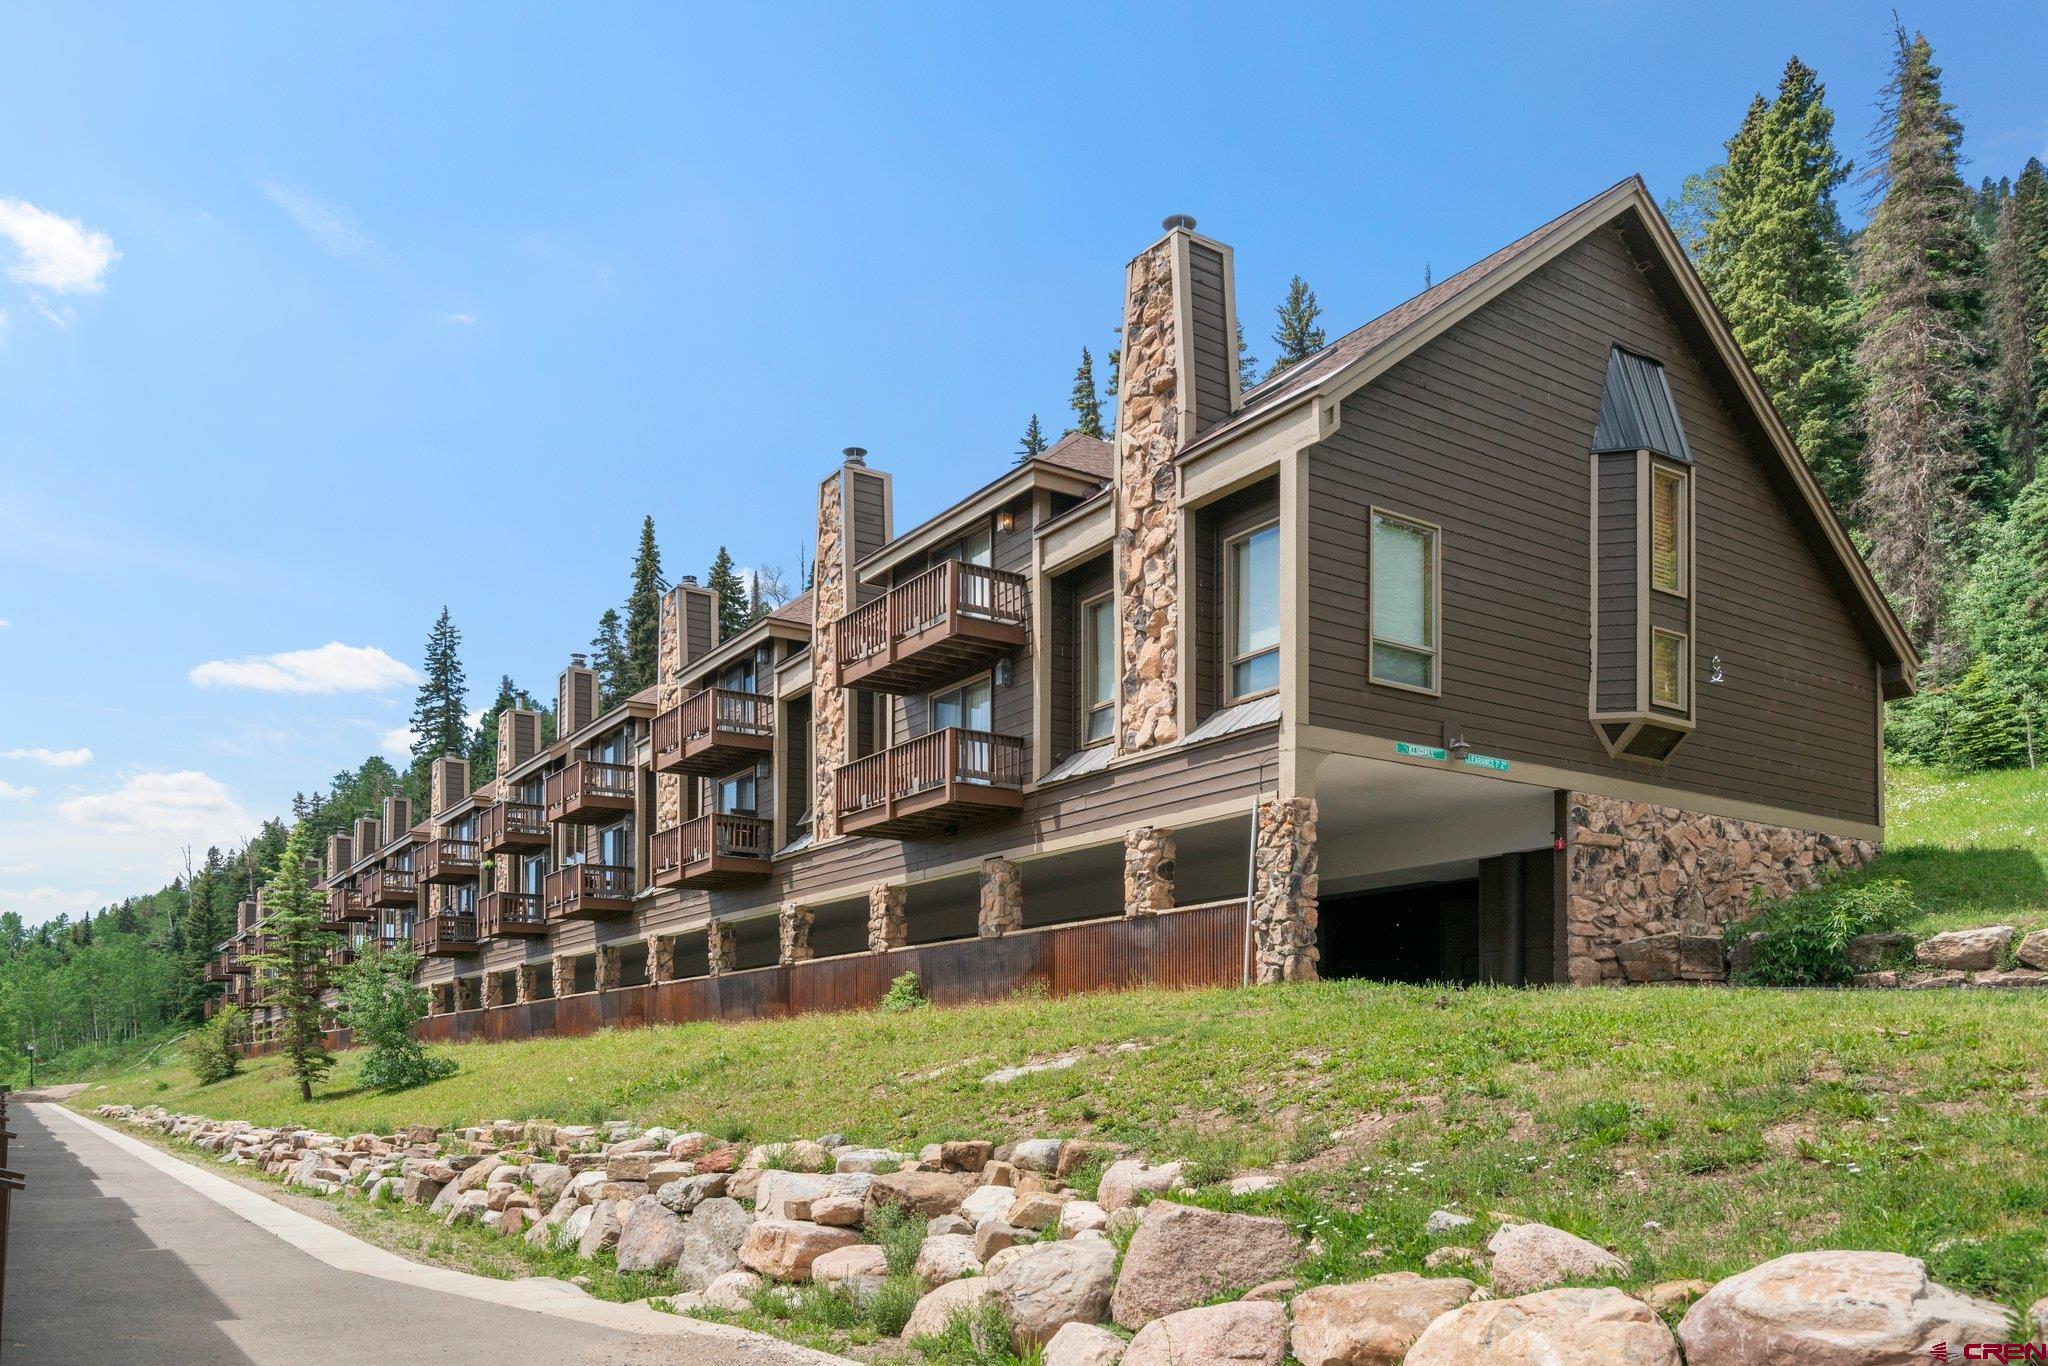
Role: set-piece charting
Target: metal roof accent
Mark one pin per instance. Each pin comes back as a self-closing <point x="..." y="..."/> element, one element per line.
<point x="1260" y="711"/>
<point x="1093" y="759"/>
<point x="1636" y="413"/>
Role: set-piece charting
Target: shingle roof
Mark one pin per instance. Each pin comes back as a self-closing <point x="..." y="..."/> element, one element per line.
<point x="797" y="609"/>
<point x="1087" y="454"/>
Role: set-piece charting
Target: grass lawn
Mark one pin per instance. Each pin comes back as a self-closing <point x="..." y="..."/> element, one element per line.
<point x="1697" y="1132"/>
<point x="1974" y="847"/>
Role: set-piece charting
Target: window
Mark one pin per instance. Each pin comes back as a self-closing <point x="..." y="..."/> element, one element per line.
<point x="1254" y="571"/>
<point x="533" y="872"/>
<point x="738" y="677"/>
<point x="969" y="706"/>
<point x="614" y="847"/>
<point x="1667" y="668"/>
<point x="1667" y="530"/>
<point x="976" y="547"/>
<point x="1405" y="602"/>
<point x="1098" y="669"/>
<point x="736" y="794"/>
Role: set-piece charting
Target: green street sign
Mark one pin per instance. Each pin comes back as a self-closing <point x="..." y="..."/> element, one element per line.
<point x="1419" y="751"/>
<point x="1487" y="762"/>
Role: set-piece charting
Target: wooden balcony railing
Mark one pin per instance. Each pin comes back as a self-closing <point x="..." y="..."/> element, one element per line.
<point x="932" y="784"/>
<point x="588" y="792"/>
<point x="448" y="860"/>
<point x="217" y="969"/>
<point x="503" y="914"/>
<point x="391" y="887"/>
<point x="712" y="732"/>
<point x="444" y="936"/>
<point x="937" y="628"/>
<point x="509" y="827"/>
<point x="588" y="891"/>
<point x="715" y="850"/>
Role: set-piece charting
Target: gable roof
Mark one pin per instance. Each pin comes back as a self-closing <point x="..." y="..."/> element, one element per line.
<point x="1355" y="359"/>
<point x="1086" y="454"/>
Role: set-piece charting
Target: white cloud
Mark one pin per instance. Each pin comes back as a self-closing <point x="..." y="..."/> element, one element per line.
<point x="333" y="229"/>
<point x="56" y="253"/>
<point x="397" y="742"/>
<point x="18" y="869"/>
<point x="185" y="806"/>
<point x="4" y="622"/>
<point x="55" y="758"/>
<point x="464" y="318"/>
<point x="334" y="667"/>
<point x="10" y="793"/>
<point x="50" y="901"/>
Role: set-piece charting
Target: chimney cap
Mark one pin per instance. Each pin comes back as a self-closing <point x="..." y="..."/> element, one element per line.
<point x="689" y="580"/>
<point x="1178" y="220"/>
<point x="578" y="661"/>
<point x="856" y="455"/>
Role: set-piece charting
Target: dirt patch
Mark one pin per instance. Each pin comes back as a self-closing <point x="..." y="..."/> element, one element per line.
<point x="1788" y="1137"/>
<point x="49" y="1095"/>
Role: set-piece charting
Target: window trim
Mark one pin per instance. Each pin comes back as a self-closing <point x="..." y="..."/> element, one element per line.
<point x="931" y="700"/>
<point x="1374" y="513"/>
<point x="1664" y="469"/>
<point x="1085" y="639"/>
<point x="1684" y="639"/>
<point x="1231" y="696"/>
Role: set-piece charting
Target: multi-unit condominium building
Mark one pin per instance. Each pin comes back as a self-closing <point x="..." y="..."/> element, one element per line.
<point x="1506" y="633"/>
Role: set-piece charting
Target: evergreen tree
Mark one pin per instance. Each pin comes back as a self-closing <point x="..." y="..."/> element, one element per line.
<point x="1086" y="405"/>
<point x="2019" y="322"/>
<point x="1696" y="204"/>
<point x="643" y="615"/>
<point x="438" y="727"/>
<point x="383" y="1004"/>
<point x="1922" y="308"/>
<point x="1297" y="336"/>
<point x="294" y="969"/>
<point x="1772" y="256"/>
<point x="1247" y="363"/>
<point x="1033" y="442"/>
<point x="724" y="580"/>
<point x="608" y="657"/>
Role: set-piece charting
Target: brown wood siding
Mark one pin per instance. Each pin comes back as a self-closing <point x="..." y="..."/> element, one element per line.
<point x="1215" y="351"/>
<point x="1487" y="431"/>
<point x="700" y="624"/>
<point x="1215" y="525"/>
<point x="870" y="518"/>
<point x="1062" y="653"/>
<point x="796" y="762"/>
<point x="1617" y="583"/>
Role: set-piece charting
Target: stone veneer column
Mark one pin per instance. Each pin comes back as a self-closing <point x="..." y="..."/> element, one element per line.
<point x="1002" y="898"/>
<point x="1149" y="865"/>
<point x="1284" y="888"/>
<point x="529" y="982"/>
<point x="1634" y="869"/>
<point x="661" y="957"/>
<point x="563" y="975"/>
<point x="468" y="994"/>
<point x="438" y="996"/>
<point x="721" y="948"/>
<point x="1147" y="559"/>
<point x="831" y="598"/>
<point x="668" y="692"/>
<point x="493" y="991"/>
<point x="608" y="963"/>
<point x="888" y="917"/>
<point x="795" y="926"/>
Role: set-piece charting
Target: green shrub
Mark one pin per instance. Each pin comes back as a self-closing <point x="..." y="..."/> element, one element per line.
<point x="211" y="1048"/>
<point x="888" y="1308"/>
<point x="901" y="1235"/>
<point x="974" y="1337"/>
<point x="1804" y="942"/>
<point x="904" y="994"/>
<point x="383" y="1004"/>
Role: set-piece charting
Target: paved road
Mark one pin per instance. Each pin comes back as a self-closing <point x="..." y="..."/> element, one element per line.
<point x="112" y="1261"/>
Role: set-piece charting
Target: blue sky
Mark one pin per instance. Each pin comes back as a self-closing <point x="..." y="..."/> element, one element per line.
<point x="319" y="318"/>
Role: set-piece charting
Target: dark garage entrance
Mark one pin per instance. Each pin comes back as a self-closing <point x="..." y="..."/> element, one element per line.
<point x="1495" y="927"/>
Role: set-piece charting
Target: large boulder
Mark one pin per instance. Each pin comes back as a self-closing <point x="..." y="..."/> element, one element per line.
<point x="1181" y="1257"/>
<point x="1600" y="1327"/>
<point x="711" y="1241"/>
<point x="2033" y="950"/>
<point x="1964" y="950"/>
<point x="1823" y="1308"/>
<point x="987" y="1203"/>
<point x="732" y="1291"/>
<point x="925" y="1194"/>
<point x="938" y="1308"/>
<point x="779" y="1190"/>
<point x="857" y="1270"/>
<point x="1247" y="1330"/>
<point x="1084" y="1344"/>
<point x="475" y="1176"/>
<point x="1372" y="1322"/>
<point x="783" y="1249"/>
<point x="1054" y="1285"/>
<point x="1126" y="1182"/>
<point x="686" y="1194"/>
<point x="652" y="1239"/>
<point x="946" y="1257"/>
<point x="602" y="1230"/>
<point x="1536" y="1256"/>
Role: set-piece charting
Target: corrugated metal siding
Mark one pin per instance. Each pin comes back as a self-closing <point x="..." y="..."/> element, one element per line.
<point x="1636" y="411"/>
<point x="1260" y="711"/>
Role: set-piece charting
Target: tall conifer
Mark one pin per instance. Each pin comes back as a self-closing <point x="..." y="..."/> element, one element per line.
<point x="294" y="967"/>
<point x="438" y="725"/>
<point x="643" y="614"/>
<point x="1297" y="336"/>
<point x="1033" y="442"/>
<point x="1086" y="404"/>
<point x="725" y="581"/>
<point x="2019" y="322"/>
<point x="608" y="658"/>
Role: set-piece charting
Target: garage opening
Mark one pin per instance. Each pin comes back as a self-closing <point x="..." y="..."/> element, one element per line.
<point x="1494" y="926"/>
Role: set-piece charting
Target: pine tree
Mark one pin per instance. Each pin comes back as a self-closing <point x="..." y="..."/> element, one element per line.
<point x="1772" y="255"/>
<point x="643" y="615"/>
<point x="1247" y="363"/>
<point x="1086" y="405"/>
<point x="1922" y="308"/>
<point x="1033" y="442"/>
<point x="608" y="657"/>
<point x="1297" y="336"/>
<point x="2019" y="322"/>
<point x="725" y="581"/>
<point x="438" y="726"/>
<point x="294" y="968"/>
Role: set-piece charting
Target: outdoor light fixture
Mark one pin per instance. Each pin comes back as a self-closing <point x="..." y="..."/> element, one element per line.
<point x="1006" y="520"/>
<point x="1004" y="672"/>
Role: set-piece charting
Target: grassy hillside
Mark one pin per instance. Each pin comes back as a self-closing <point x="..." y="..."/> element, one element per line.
<point x="1973" y="847"/>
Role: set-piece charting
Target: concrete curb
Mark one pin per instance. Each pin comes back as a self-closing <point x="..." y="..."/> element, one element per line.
<point x="345" y="1252"/>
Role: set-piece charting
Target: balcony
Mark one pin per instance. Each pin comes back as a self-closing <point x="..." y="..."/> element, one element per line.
<point x="713" y="851"/>
<point x="448" y="860"/>
<point x="391" y="887"/>
<point x="713" y="732"/>
<point x="512" y="827"/>
<point x="444" y="936"/>
<point x="937" y="628"/>
<point x="931" y="785"/>
<point x="588" y="792"/>
<point x="341" y="955"/>
<point x="217" y="969"/>
<point x="344" y="904"/>
<point x="500" y="915"/>
<point x="589" y="891"/>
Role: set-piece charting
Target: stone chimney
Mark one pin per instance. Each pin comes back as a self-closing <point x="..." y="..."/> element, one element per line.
<point x="397" y="816"/>
<point x="686" y="631"/>
<point x="575" y="697"/>
<point x="449" y="783"/>
<point x="1177" y="378"/>
<point x="854" y="513"/>
<point x="340" y="854"/>
<point x="366" y="840"/>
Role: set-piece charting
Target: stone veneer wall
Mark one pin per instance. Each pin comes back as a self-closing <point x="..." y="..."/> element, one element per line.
<point x="1285" y="884"/>
<point x="794" y="926"/>
<point x="1149" y="866"/>
<point x="1148" y="507"/>
<point x="829" y="602"/>
<point x="668" y="692"/>
<point x="1002" y="899"/>
<point x="888" y="917"/>
<point x="1636" y="869"/>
